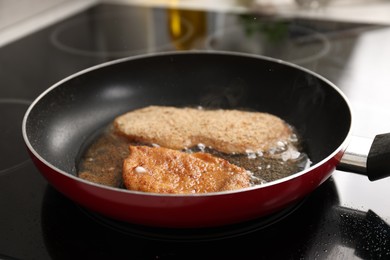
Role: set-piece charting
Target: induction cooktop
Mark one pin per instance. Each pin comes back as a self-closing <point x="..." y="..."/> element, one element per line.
<point x="348" y="217"/>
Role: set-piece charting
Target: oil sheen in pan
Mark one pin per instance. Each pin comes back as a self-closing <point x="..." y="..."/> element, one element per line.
<point x="101" y="160"/>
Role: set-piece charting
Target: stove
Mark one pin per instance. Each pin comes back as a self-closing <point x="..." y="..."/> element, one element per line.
<point x="348" y="217"/>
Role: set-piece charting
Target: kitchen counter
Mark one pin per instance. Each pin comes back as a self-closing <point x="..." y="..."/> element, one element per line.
<point x="361" y="11"/>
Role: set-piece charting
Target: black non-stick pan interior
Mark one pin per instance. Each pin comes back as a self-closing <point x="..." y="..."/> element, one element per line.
<point x="64" y="117"/>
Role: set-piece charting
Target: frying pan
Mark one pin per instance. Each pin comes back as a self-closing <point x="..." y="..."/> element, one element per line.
<point x="64" y="117"/>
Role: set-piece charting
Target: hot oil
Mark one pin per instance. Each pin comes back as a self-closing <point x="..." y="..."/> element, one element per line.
<point x="282" y="161"/>
<point x="102" y="161"/>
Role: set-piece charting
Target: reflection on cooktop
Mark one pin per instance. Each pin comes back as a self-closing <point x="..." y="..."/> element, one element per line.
<point x="304" y="227"/>
<point x="196" y="234"/>
<point x="317" y="228"/>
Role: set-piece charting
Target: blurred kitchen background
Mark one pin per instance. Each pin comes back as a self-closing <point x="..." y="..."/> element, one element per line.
<point x="18" y="18"/>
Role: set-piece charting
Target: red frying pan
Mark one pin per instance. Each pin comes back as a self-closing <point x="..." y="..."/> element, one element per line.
<point x="64" y="117"/>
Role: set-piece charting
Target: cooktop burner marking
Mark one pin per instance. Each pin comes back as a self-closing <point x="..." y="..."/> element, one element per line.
<point x="299" y="45"/>
<point x="112" y="39"/>
<point x="13" y="153"/>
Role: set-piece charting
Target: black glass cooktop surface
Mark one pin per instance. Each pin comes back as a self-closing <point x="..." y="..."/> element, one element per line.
<point x="348" y="217"/>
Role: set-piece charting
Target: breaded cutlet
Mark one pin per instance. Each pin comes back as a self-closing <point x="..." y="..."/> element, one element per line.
<point x="163" y="170"/>
<point x="227" y="131"/>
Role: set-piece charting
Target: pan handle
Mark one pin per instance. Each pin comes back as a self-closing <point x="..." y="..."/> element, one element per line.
<point x="370" y="157"/>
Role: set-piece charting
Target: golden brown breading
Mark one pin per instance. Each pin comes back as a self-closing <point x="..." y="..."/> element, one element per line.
<point x="163" y="170"/>
<point x="228" y="131"/>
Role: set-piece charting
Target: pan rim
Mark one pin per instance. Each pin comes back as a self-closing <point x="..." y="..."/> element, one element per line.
<point x="30" y="147"/>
